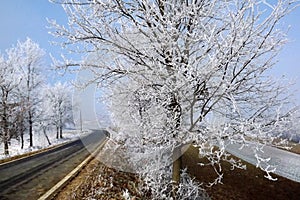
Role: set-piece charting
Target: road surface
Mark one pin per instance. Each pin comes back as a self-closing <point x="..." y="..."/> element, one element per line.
<point x="287" y="164"/>
<point x="31" y="177"/>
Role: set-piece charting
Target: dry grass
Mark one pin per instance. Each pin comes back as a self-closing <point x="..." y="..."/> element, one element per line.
<point x="240" y="184"/>
<point x="96" y="181"/>
<point x="295" y="148"/>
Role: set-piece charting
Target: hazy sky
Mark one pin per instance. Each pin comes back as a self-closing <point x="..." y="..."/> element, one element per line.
<point x="27" y="18"/>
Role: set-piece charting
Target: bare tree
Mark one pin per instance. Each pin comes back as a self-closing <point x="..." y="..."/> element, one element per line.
<point x="181" y="72"/>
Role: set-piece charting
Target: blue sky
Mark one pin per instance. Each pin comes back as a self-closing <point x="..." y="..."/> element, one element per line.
<point x="27" y="18"/>
<point x="20" y="19"/>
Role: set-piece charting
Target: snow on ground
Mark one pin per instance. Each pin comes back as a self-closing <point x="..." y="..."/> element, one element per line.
<point x="40" y="141"/>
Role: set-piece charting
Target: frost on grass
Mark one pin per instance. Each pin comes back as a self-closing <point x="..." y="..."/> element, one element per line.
<point x="107" y="183"/>
<point x="159" y="182"/>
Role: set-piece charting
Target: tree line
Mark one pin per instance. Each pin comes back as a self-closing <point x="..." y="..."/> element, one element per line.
<point x="27" y="103"/>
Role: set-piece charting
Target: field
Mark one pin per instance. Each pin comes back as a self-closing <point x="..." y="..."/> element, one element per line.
<point x="241" y="184"/>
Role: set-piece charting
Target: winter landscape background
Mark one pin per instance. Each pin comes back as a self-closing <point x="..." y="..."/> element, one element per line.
<point x="173" y="82"/>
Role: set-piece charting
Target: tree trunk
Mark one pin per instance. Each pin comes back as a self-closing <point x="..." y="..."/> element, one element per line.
<point x="174" y="112"/>
<point x="6" y="152"/>
<point x="177" y="162"/>
<point x="21" y="130"/>
<point x="22" y="140"/>
<point x="44" y="131"/>
<point x="60" y="132"/>
<point x="60" y="127"/>
<point x="5" y="123"/>
<point x="30" y="128"/>
<point x="57" y="132"/>
<point x="6" y="133"/>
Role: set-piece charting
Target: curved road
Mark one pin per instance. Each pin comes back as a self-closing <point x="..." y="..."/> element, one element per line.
<point x="287" y="164"/>
<point x="31" y="177"/>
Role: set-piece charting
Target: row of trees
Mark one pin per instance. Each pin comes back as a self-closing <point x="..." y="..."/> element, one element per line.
<point x="184" y="72"/>
<point x="27" y="103"/>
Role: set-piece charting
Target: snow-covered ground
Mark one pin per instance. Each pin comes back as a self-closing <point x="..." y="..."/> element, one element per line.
<point x="40" y="142"/>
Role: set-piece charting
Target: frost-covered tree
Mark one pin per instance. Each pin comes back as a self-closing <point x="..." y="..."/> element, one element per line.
<point x="9" y="80"/>
<point x="58" y="104"/>
<point x="19" y="119"/>
<point x="182" y="72"/>
<point x="28" y="59"/>
<point x="44" y="111"/>
<point x="20" y="77"/>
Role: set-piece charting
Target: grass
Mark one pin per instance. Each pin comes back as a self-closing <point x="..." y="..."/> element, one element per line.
<point x="97" y="181"/>
<point x="240" y="184"/>
<point x="295" y="148"/>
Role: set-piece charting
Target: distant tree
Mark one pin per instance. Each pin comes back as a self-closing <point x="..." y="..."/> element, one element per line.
<point x="58" y="101"/>
<point x="44" y="111"/>
<point x="28" y="59"/>
<point x="182" y="72"/>
<point x="18" y="120"/>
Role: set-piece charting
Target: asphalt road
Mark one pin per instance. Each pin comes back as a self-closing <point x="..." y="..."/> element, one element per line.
<point x="31" y="177"/>
<point x="287" y="164"/>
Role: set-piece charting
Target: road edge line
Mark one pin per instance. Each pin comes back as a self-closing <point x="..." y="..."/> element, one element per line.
<point x="50" y="194"/>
